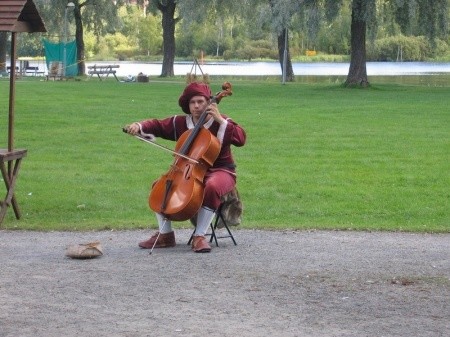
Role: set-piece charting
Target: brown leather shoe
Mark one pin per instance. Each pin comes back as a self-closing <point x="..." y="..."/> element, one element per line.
<point x="164" y="241"/>
<point x="200" y="244"/>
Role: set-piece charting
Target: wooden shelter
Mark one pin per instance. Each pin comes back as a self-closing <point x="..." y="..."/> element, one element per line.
<point x="16" y="16"/>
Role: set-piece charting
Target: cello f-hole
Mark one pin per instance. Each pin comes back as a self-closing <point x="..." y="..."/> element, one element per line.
<point x="187" y="171"/>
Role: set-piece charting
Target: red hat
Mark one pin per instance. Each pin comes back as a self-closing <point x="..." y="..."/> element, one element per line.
<point x="193" y="89"/>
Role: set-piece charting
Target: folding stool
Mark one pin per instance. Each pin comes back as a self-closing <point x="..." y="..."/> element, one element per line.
<point x="213" y="225"/>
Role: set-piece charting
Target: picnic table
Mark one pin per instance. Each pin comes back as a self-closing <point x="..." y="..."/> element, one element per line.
<point x="103" y="71"/>
<point x="33" y="71"/>
<point x="29" y="70"/>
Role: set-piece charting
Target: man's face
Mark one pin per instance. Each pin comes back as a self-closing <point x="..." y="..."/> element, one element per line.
<point x="197" y="105"/>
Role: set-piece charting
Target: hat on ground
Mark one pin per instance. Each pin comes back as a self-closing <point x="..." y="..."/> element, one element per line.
<point x="85" y="250"/>
<point x="193" y="89"/>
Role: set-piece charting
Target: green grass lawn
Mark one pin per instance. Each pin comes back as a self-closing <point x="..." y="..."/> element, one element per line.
<point x="318" y="156"/>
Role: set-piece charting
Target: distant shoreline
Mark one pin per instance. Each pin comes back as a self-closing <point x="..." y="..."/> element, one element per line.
<point x="270" y="68"/>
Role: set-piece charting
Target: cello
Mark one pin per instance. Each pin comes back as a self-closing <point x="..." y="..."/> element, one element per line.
<point x="178" y="194"/>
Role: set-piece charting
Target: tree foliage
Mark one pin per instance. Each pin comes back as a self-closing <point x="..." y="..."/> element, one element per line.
<point x="422" y="17"/>
<point x="97" y="16"/>
<point x="245" y="29"/>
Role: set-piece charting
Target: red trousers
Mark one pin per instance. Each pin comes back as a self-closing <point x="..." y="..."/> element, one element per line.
<point x="217" y="184"/>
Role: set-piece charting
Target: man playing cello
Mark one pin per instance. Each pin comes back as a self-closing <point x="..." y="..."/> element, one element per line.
<point x="219" y="179"/>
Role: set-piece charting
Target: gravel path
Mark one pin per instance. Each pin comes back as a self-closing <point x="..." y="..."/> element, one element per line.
<point x="273" y="283"/>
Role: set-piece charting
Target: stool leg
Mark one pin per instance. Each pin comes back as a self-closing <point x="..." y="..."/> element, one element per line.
<point x="229" y="233"/>
<point x="192" y="237"/>
<point x="213" y="233"/>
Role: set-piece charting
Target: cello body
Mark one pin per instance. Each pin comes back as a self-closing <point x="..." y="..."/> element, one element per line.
<point x="178" y="194"/>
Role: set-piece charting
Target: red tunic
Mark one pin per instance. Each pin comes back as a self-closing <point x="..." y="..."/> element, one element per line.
<point x="220" y="178"/>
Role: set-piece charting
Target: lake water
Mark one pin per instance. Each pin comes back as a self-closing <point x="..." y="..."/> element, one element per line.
<point x="274" y="68"/>
<point x="413" y="73"/>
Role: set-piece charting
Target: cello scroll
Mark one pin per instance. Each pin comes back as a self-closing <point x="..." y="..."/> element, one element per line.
<point x="226" y="91"/>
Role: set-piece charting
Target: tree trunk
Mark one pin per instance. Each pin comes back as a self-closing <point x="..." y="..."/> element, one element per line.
<point x="283" y="43"/>
<point x="3" y="40"/>
<point x="357" y="74"/>
<point x="282" y="39"/>
<point x="80" y="42"/>
<point x="168" y="25"/>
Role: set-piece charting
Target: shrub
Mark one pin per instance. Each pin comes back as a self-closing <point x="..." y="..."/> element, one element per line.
<point x="259" y="49"/>
<point x="405" y="48"/>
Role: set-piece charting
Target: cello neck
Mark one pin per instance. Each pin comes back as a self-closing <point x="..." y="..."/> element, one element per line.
<point x="187" y="144"/>
<point x="226" y="91"/>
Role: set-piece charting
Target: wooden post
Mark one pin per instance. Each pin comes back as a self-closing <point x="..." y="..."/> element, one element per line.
<point x="12" y="93"/>
<point x="17" y="16"/>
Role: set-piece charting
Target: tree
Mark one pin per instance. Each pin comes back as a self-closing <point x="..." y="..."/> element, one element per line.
<point x="274" y="13"/>
<point x="422" y="18"/>
<point x="143" y="31"/>
<point x="168" y="22"/>
<point x="99" y="16"/>
<point x="167" y="8"/>
<point x="285" y="56"/>
<point x="430" y="18"/>
<point x="282" y="12"/>
<point x="79" y="38"/>
<point x="357" y="74"/>
<point x="313" y="12"/>
<point x="150" y="35"/>
<point x="215" y="25"/>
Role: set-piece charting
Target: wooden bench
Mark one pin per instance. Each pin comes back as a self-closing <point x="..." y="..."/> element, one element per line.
<point x="34" y="71"/>
<point x="8" y="69"/>
<point x="103" y="71"/>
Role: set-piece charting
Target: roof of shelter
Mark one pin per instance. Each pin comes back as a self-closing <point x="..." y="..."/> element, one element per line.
<point x="20" y="16"/>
